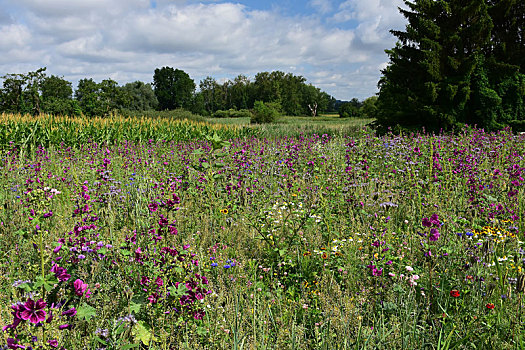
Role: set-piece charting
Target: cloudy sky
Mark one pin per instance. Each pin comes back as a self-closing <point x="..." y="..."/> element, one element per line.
<point x="337" y="45"/>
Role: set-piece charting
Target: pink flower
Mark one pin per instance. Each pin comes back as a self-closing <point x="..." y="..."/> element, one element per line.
<point x="80" y="287"/>
<point x="34" y="311"/>
<point x="153" y="207"/>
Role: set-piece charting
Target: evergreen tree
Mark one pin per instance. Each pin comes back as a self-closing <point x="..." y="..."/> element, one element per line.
<point x="429" y="81"/>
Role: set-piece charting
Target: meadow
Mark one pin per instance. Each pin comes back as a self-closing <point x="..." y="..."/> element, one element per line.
<point x="159" y="234"/>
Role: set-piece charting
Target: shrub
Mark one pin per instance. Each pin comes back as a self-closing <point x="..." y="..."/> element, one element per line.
<point x="264" y="112"/>
<point x="232" y="113"/>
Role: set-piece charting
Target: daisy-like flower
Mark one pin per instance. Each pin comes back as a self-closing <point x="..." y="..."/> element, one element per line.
<point x="34" y="311"/>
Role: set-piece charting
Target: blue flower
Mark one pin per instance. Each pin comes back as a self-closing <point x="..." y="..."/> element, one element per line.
<point x="214" y="264"/>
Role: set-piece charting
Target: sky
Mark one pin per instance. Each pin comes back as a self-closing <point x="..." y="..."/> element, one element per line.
<point x="337" y="46"/>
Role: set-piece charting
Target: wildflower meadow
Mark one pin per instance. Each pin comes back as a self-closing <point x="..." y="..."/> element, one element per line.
<point x="231" y="239"/>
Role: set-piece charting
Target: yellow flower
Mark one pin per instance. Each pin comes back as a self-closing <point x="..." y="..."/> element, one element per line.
<point x="224" y="211"/>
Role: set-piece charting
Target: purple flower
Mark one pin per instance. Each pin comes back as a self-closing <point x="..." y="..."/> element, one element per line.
<point x="53" y="343"/>
<point x="71" y="312"/>
<point x="80" y="287"/>
<point x="199" y="314"/>
<point x="34" y="311"/>
<point x="60" y="273"/>
<point x="434" y="234"/>
<point x="17" y="318"/>
<point x="13" y="344"/>
<point x="57" y="249"/>
<point x="434" y="219"/>
<point x="153" y="207"/>
<point x="50" y="317"/>
<point x="64" y="326"/>
<point x="426" y="222"/>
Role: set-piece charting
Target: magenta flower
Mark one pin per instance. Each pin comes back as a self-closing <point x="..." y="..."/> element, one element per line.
<point x="153" y="207"/>
<point x="199" y="314"/>
<point x="434" y="234"/>
<point x="80" y="287"/>
<point x="17" y="318"/>
<point x="13" y="344"/>
<point x="60" y="273"/>
<point x="34" y="311"/>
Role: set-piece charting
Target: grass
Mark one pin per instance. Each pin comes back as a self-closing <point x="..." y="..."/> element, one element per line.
<point x="290" y="239"/>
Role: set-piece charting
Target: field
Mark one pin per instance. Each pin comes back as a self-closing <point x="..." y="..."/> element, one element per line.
<point x="293" y="236"/>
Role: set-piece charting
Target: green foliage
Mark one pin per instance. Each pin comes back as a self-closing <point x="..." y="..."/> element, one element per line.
<point x="291" y="92"/>
<point x="264" y="112"/>
<point x="232" y="113"/>
<point x="369" y="107"/>
<point x="99" y="99"/>
<point x="350" y="110"/>
<point x="456" y="62"/>
<point x="21" y="92"/>
<point x="173" y="88"/>
<point x="139" y="97"/>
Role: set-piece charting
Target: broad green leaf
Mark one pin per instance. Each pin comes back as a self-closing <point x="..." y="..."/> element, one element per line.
<point x="142" y="332"/>
<point x="86" y="312"/>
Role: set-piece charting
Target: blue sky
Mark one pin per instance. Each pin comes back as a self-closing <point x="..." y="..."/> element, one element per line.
<point x="337" y="45"/>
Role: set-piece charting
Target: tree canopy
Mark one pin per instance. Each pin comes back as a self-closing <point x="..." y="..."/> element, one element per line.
<point x="35" y="92"/>
<point x="173" y="88"/>
<point x="456" y="62"/>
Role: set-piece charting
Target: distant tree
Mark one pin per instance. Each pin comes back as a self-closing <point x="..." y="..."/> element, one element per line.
<point x="54" y="87"/>
<point x="267" y="86"/>
<point x="21" y="93"/>
<point x="139" y="96"/>
<point x="99" y="99"/>
<point x="293" y="95"/>
<point x="369" y="108"/>
<point x="350" y="110"/>
<point x="240" y="92"/>
<point x="197" y="104"/>
<point x="209" y="88"/>
<point x="173" y="88"/>
<point x="57" y="97"/>
<point x="88" y="98"/>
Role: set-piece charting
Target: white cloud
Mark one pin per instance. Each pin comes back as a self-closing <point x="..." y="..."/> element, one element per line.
<point x="127" y="39"/>
<point x="323" y="6"/>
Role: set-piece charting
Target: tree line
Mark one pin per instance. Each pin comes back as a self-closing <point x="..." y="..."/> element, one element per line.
<point x="457" y="62"/>
<point x="36" y="92"/>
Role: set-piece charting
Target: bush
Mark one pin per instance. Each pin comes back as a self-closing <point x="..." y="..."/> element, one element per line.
<point x="221" y="114"/>
<point x="232" y="113"/>
<point x="264" y="113"/>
